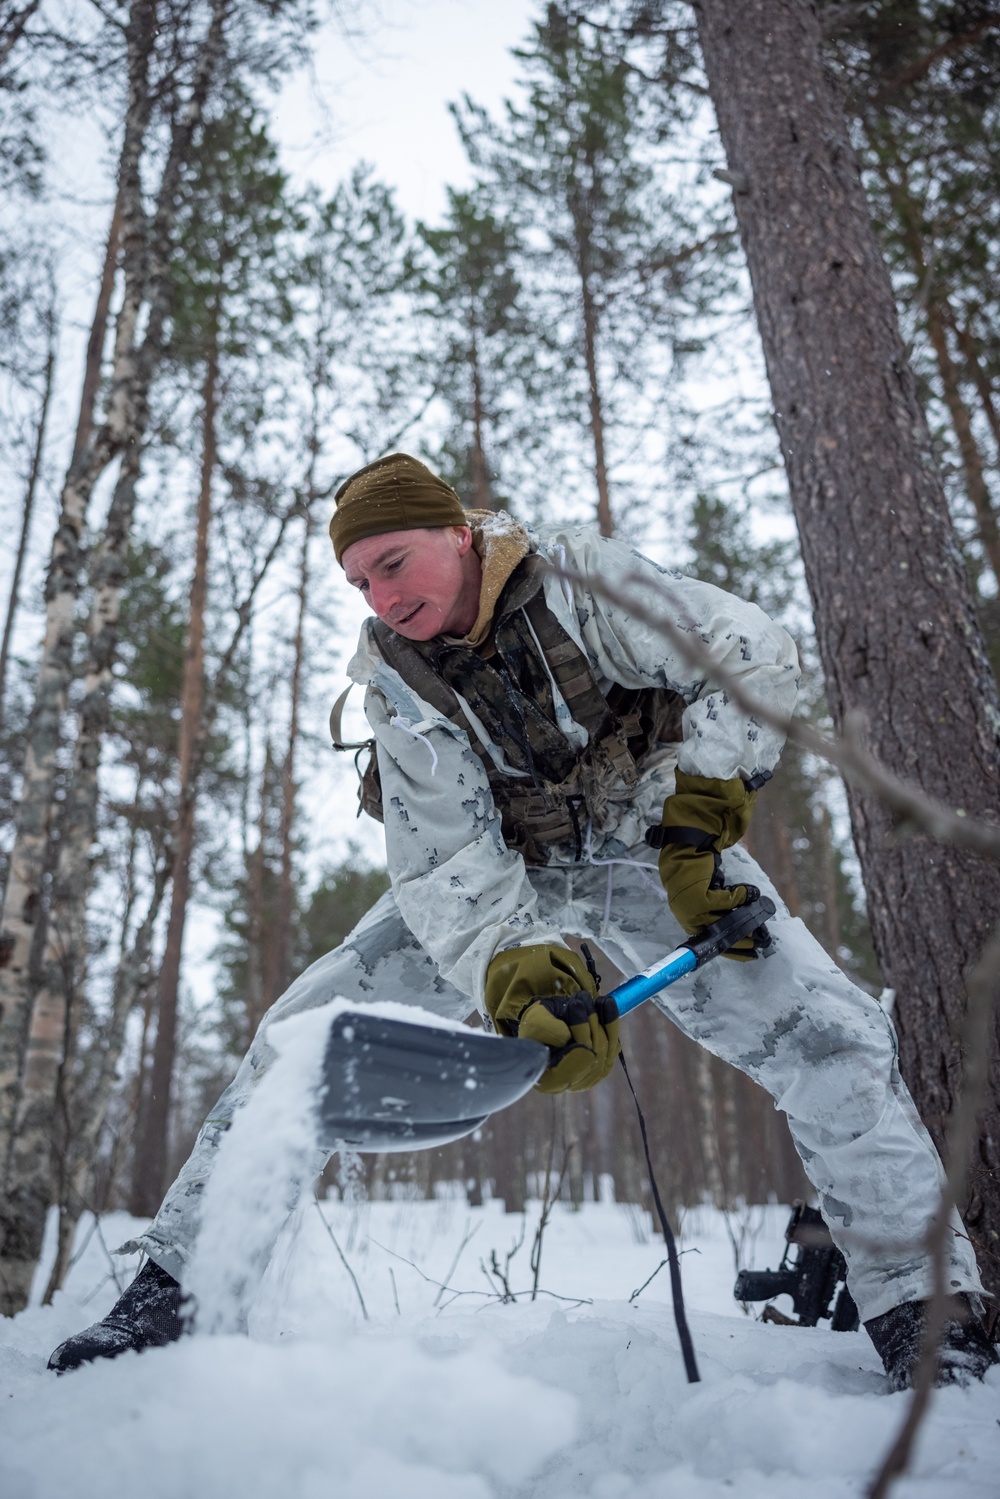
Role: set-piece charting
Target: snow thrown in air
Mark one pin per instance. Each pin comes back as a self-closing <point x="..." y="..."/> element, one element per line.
<point x="265" y="1157"/>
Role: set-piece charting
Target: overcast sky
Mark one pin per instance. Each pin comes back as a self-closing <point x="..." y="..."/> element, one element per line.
<point x="379" y="90"/>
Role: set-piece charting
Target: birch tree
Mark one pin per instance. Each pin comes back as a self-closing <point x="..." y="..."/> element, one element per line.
<point x="171" y="57"/>
<point x="138" y="344"/>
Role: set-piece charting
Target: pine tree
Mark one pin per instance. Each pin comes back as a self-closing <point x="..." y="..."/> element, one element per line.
<point x="612" y="256"/>
<point x="470" y="291"/>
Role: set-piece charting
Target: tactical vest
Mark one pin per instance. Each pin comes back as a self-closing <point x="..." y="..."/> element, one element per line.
<point x="562" y="786"/>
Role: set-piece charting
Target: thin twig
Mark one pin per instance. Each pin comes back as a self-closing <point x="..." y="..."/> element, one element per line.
<point x="983" y="988"/>
<point x="343" y="1259"/>
<point x="469" y="1234"/>
<point x="914" y="805"/>
<point x="107" y="1254"/>
<point x="423" y="1276"/>
<point x="639" y="1289"/>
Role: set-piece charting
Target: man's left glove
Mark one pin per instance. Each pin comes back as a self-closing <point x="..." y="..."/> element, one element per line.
<point x="703" y="817"/>
<point x="546" y="993"/>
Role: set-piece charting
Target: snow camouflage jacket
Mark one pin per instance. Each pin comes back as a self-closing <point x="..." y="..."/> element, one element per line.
<point x="461" y="890"/>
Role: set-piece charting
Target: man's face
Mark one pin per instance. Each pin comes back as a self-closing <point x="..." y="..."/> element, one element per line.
<point x="418" y="582"/>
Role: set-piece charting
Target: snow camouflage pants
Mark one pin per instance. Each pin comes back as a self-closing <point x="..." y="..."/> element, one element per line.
<point x="823" y="1049"/>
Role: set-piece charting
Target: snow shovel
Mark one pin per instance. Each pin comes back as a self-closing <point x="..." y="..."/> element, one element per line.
<point x="390" y="1084"/>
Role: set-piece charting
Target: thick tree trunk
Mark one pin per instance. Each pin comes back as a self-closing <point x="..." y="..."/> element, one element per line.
<point x="151" y="1147"/>
<point x="27" y="509"/>
<point x="894" y="618"/>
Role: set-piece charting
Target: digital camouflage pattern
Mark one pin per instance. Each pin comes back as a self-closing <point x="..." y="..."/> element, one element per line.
<point x="793" y="1021"/>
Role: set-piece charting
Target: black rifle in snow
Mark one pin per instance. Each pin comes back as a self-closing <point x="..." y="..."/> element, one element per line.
<point x="811" y="1278"/>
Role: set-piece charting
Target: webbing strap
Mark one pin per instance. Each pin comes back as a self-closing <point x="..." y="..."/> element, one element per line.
<point x="418" y="673"/>
<point x="659" y="836"/>
<point x="571" y="669"/>
<point x="336" y="727"/>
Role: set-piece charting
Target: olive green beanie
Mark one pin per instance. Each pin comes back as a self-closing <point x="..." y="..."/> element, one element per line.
<point x="395" y="493"/>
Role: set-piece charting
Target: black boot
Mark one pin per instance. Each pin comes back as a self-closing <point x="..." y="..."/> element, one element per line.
<point x="147" y="1315"/>
<point x="964" y="1351"/>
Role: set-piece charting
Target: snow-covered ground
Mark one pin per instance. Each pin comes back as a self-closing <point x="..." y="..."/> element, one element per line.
<point x="456" y="1395"/>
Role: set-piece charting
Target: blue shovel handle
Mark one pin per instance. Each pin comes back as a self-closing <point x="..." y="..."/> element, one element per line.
<point x="709" y="943"/>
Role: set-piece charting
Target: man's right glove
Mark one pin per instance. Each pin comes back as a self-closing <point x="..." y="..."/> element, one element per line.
<point x="701" y="818"/>
<point x="547" y="994"/>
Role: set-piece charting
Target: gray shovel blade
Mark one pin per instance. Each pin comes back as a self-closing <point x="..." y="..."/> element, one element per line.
<point x="397" y="1085"/>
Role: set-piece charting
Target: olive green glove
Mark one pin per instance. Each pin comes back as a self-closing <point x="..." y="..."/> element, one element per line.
<point x="700" y="819"/>
<point x="546" y="994"/>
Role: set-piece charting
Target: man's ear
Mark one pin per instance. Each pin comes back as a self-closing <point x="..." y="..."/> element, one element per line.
<point x="463" y="539"/>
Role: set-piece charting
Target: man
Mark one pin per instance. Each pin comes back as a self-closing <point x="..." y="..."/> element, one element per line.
<point x="529" y="734"/>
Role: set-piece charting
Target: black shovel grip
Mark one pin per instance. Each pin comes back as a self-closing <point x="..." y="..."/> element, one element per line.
<point x="731" y="928"/>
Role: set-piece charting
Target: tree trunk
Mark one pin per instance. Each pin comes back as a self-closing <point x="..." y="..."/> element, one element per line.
<point x="481" y="486"/>
<point x="258" y="948"/>
<point x="87" y="1106"/>
<point x="151" y="1148"/>
<point x="605" y="520"/>
<point x="12" y="28"/>
<point x="98" y="335"/>
<point x="281" y="972"/>
<point x="23" y="897"/>
<point x="828" y="866"/>
<point x="894" y="618"/>
<point x="980" y="378"/>
<point x="708" y="1129"/>
<point x="27" y="508"/>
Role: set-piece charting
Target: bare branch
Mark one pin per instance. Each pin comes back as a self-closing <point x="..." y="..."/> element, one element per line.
<point x="343" y="1259"/>
<point x="976" y="832"/>
<point x="923" y="65"/>
<point x="983" y="988"/>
